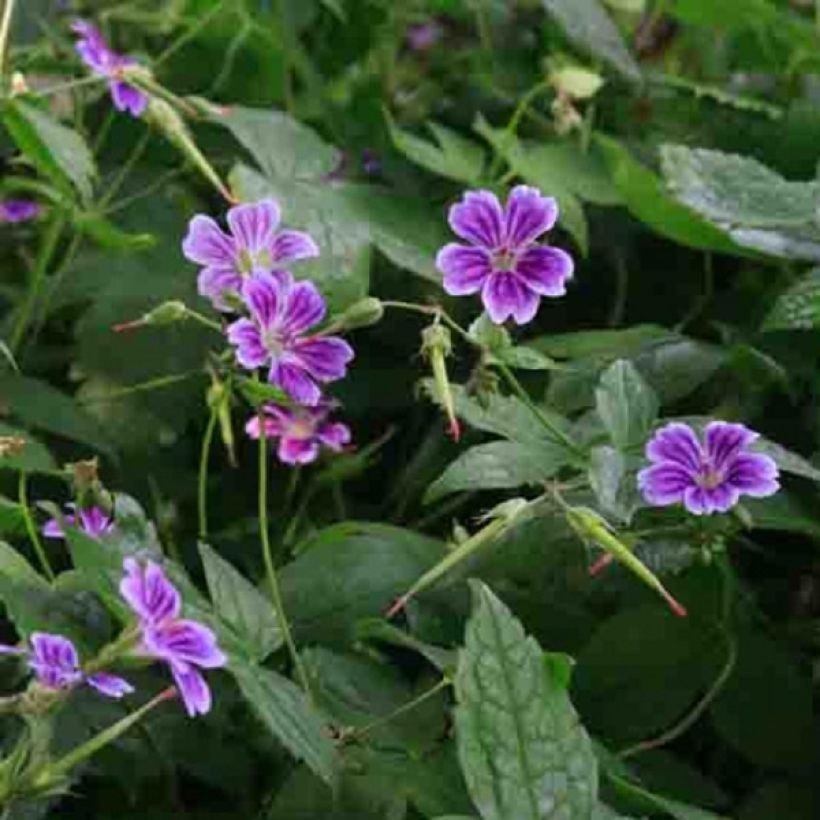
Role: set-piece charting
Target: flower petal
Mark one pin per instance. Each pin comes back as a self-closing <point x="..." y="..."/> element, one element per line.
<point x="290" y="246"/>
<point x="705" y="501"/>
<point x="478" y="218"/>
<point x="505" y="295"/>
<point x="206" y="244"/>
<point x="324" y="357"/>
<point x="302" y="307"/>
<point x="245" y="336"/>
<point x="54" y="650"/>
<point x="263" y="294"/>
<point x="148" y="591"/>
<point x="195" y="693"/>
<point x="297" y="450"/>
<point x="724" y="441"/>
<point x="664" y="484"/>
<point x="181" y="641"/>
<point x="676" y="442"/>
<point x="334" y="435"/>
<point x="253" y="224"/>
<point x="94" y="522"/>
<point x="214" y="283"/>
<point x="296" y="382"/>
<point x="53" y="529"/>
<point x="128" y="98"/>
<point x="111" y="686"/>
<point x="754" y="474"/>
<point x="545" y="269"/>
<point x="527" y="215"/>
<point x="465" y="269"/>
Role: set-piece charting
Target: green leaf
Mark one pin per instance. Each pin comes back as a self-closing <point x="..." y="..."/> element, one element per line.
<point x="43" y="407"/>
<point x="757" y="207"/>
<point x="797" y="308"/>
<point x="650" y="801"/>
<point x="285" y="712"/>
<point x="454" y="157"/>
<point x="646" y="200"/>
<point x="351" y="571"/>
<point x="57" y="151"/>
<point x="376" y="629"/>
<point x="587" y="24"/>
<point x="626" y="404"/>
<point x="241" y="605"/>
<point x="522" y="748"/>
<point x="613" y="482"/>
<point x="497" y="340"/>
<point x="11" y="516"/>
<point x="107" y="235"/>
<point x="34" y="457"/>
<point x="494" y="466"/>
<point x="257" y="393"/>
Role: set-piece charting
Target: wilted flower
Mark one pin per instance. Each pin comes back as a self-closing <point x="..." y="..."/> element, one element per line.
<point x="93" y="521"/>
<point x="253" y="246"/>
<point x="105" y="62"/>
<point x="19" y="210"/>
<point x="281" y="311"/>
<point x="302" y="431"/>
<point x="503" y="261"/>
<point x="56" y="665"/>
<point x="186" y="646"/>
<point x="705" y="477"/>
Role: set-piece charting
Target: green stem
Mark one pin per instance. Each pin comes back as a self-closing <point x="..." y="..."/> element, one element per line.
<point x="270" y="570"/>
<point x="203" y="320"/>
<point x="189" y="35"/>
<point x="142" y="387"/>
<point x="125" y="170"/>
<point x="558" y="435"/>
<point x="407" y="707"/>
<point x="70" y="85"/>
<point x="5" y="28"/>
<point x="202" y="494"/>
<point x="47" y="249"/>
<point x="31" y="527"/>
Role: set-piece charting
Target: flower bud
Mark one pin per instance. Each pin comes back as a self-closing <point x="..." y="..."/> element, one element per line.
<point x="164" y="314"/>
<point x="436" y="345"/>
<point x="365" y="312"/>
<point x="218" y="399"/>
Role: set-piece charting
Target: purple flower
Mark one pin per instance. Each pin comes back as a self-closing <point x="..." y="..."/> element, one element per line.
<point x="93" y="521"/>
<point x="423" y="36"/>
<point x="281" y="311"/>
<point x="302" y="431"/>
<point x="252" y="246"/>
<point x="503" y="260"/>
<point x="705" y="477"/>
<point x="105" y="62"/>
<point x="56" y="665"/>
<point x="19" y="210"/>
<point x="186" y="646"/>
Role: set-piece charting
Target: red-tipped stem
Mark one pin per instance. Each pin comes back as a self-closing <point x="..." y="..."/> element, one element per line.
<point x="396" y="607"/>
<point x="601" y="564"/>
<point x="122" y="327"/>
<point x="677" y="608"/>
<point x="454" y="429"/>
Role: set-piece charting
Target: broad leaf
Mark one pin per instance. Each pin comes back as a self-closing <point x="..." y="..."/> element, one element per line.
<point x="242" y="607"/>
<point x="523" y="751"/>
<point x="34" y="456"/>
<point x="626" y="404"/>
<point x="613" y="482"/>
<point x="285" y="712"/>
<point x="57" y="151"/>
<point x="797" y="308"/>
<point x="588" y="25"/>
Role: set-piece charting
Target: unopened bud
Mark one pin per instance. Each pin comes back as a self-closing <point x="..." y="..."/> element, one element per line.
<point x="436" y="345"/>
<point x="218" y="399"/>
<point x="164" y="314"/>
<point x="365" y="312"/>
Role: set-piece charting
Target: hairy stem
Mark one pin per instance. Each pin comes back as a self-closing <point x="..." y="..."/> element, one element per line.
<point x="31" y="527"/>
<point x="202" y="483"/>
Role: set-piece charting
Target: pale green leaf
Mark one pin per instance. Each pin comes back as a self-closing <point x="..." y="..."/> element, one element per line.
<point x="626" y="404"/>
<point x="797" y="308"/>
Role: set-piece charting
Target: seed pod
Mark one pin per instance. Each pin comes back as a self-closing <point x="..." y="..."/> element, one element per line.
<point x="436" y="345"/>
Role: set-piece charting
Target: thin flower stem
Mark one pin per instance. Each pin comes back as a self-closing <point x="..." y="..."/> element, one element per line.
<point x="47" y="248"/>
<point x="142" y="387"/>
<point x="267" y="555"/>
<point x="189" y="35"/>
<point x="407" y="707"/>
<point x="5" y="28"/>
<point x="31" y="527"/>
<point x="69" y="85"/>
<point x="127" y="167"/>
<point x="203" y="320"/>
<point x="202" y="484"/>
<point x="558" y="435"/>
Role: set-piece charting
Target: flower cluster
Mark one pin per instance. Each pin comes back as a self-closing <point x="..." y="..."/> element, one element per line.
<point x="105" y="62"/>
<point x="186" y="646"/>
<point x="244" y="272"/>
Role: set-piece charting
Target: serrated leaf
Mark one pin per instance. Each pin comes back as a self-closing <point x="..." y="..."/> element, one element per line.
<point x="242" y="607"/>
<point x="522" y="748"/>
<point x="494" y="466"/>
<point x="797" y="308"/>
<point x="285" y="712"/>
<point x="57" y="151"/>
<point x="626" y="404"/>
<point x="588" y="25"/>
<point x="454" y="157"/>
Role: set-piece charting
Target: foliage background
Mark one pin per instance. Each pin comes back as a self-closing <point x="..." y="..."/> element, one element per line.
<point x="696" y="268"/>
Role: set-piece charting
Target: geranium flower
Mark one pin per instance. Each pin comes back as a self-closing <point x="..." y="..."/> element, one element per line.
<point x="254" y="245"/>
<point x="302" y="431"/>
<point x="705" y="477"/>
<point x="19" y="210"/>
<point x="281" y="311"/>
<point x="56" y="665"/>
<point x="93" y="521"/>
<point x="186" y="646"/>
<point x="105" y="62"/>
<point x="503" y="260"/>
